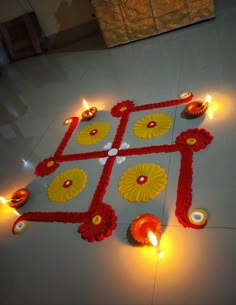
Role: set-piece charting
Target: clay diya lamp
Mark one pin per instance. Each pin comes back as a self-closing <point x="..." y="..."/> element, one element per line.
<point x="196" y="109"/>
<point x="146" y="229"/>
<point x="88" y="114"/>
<point x="18" y="198"/>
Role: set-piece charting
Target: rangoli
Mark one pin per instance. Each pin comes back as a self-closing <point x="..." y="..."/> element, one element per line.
<point x="147" y="180"/>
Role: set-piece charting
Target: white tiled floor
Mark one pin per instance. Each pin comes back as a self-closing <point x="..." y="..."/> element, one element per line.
<point x="50" y="263"/>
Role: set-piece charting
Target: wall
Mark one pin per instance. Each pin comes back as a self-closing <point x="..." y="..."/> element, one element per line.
<point x="53" y="15"/>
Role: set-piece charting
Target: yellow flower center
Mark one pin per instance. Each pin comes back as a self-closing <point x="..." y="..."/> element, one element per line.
<point x="50" y="163"/>
<point x="191" y="141"/>
<point x="123" y="108"/>
<point x="96" y="219"/>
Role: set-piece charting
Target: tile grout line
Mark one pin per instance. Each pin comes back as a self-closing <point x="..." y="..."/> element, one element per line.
<point x="169" y="161"/>
<point x="155" y="279"/>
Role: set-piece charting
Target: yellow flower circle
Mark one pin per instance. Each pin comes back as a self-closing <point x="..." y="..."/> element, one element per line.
<point x="123" y="108"/>
<point x="67" y="185"/>
<point x="93" y="133"/>
<point x="152" y="125"/>
<point x="142" y="182"/>
<point x="191" y="141"/>
<point x="96" y="219"/>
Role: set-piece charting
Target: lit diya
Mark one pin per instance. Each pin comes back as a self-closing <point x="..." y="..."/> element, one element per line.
<point x="90" y="112"/>
<point x="19" y="197"/>
<point x="197" y="108"/>
<point x="146" y="229"/>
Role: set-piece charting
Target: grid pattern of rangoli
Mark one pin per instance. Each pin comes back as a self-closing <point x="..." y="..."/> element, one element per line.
<point x="100" y="219"/>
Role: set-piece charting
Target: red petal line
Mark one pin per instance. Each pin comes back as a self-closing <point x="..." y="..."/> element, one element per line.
<point x="67" y="136"/>
<point x="72" y="217"/>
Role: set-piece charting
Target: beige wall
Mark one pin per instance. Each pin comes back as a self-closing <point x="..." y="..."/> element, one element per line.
<point x="53" y="15"/>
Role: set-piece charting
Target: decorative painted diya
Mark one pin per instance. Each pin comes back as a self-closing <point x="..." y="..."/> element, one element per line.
<point x="19" y="197"/>
<point x="88" y="114"/>
<point x="196" y="109"/>
<point x="20" y="227"/>
<point x="184" y="95"/>
<point x="146" y="229"/>
<point x="198" y="216"/>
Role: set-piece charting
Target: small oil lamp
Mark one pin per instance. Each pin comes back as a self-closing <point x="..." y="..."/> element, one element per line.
<point x="67" y="121"/>
<point x="197" y="108"/>
<point x="17" y="199"/>
<point x="184" y="95"/>
<point x="145" y="230"/>
<point x="90" y="112"/>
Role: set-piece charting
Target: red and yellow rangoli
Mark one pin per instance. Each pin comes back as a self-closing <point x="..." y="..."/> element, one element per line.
<point x="138" y="184"/>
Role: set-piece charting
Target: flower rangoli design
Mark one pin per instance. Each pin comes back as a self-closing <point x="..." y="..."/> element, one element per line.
<point x="152" y="126"/>
<point x="93" y="133"/>
<point x="67" y="185"/>
<point x="100" y="219"/>
<point x="142" y="182"/>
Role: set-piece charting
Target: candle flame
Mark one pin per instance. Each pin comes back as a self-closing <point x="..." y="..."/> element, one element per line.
<point x="208" y="99"/>
<point x="3" y="200"/>
<point x="85" y="103"/>
<point x="152" y="238"/>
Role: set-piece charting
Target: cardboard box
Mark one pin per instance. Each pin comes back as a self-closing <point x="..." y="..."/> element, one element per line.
<point x="122" y="21"/>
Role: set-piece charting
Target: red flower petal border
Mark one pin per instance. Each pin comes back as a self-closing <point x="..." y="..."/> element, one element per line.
<point x="120" y="108"/>
<point x="100" y="225"/>
<point x="46" y="167"/>
<point x="195" y="138"/>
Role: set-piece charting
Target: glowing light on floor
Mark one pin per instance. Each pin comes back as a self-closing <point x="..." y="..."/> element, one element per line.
<point x="7" y="208"/>
<point x="211" y="115"/>
<point x="161" y="254"/>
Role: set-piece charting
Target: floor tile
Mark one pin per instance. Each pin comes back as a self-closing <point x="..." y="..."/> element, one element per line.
<point x="197" y="268"/>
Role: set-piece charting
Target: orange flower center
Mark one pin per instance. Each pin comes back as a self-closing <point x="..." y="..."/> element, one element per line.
<point x="142" y="180"/>
<point x="152" y="124"/>
<point x="93" y="132"/>
<point x="96" y="219"/>
<point x="123" y="108"/>
<point x="191" y="141"/>
<point x="50" y="163"/>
